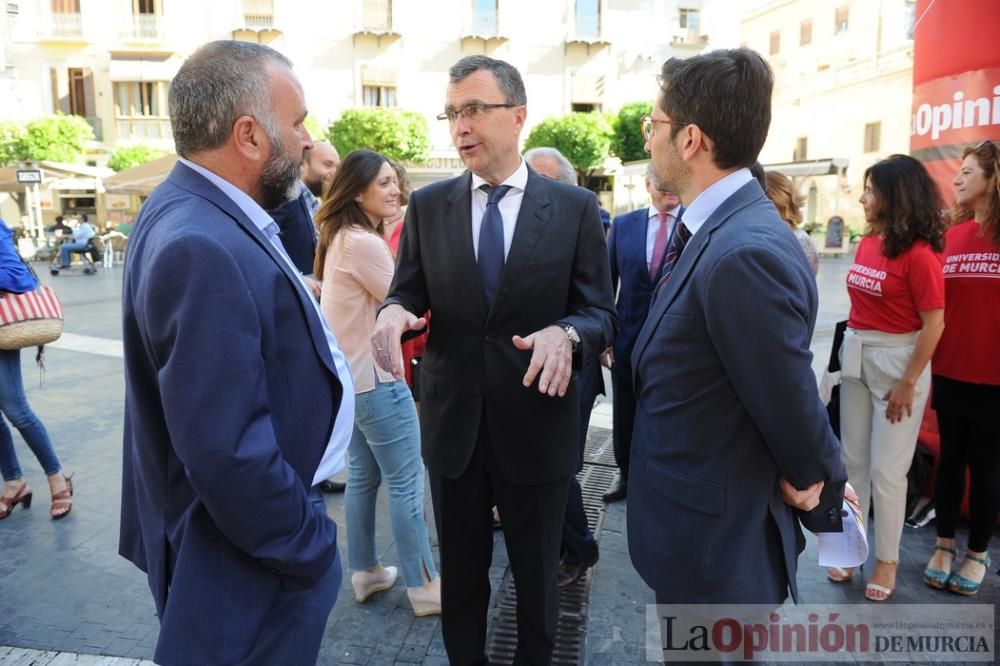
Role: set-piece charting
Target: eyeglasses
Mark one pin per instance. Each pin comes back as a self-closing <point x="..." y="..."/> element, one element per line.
<point x="473" y="111"/>
<point x="648" y="123"/>
<point x="984" y="143"/>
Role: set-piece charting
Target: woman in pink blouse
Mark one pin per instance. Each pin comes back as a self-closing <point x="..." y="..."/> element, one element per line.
<point x="355" y="266"/>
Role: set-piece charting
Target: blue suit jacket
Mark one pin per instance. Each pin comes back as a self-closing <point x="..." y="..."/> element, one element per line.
<point x="230" y="399"/>
<point x="727" y="402"/>
<point x="627" y="247"/>
<point x="298" y="233"/>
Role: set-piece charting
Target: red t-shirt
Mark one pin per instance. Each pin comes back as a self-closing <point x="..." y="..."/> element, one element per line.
<point x="968" y="349"/>
<point x="888" y="295"/>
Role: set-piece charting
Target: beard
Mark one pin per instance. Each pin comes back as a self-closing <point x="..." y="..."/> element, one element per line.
<point x="279" y="178"/>
<point x="314" y="185"/>
<point x="671" y="174"/>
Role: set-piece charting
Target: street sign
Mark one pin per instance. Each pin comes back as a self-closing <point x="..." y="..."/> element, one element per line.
<point x="29" y="176"/>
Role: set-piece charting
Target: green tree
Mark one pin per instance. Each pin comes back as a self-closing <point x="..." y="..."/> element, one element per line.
<point x="584" y="138"/>
<point x="628" y="144"/>
<point x="10" y="137"/>
<point x="399" y="135"/>
<point x="130" y="156"/>
<point x="56" y="138"/>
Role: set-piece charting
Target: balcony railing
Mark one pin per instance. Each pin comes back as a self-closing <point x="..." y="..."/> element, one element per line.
<point x="144" y="26"/>
<point x="145" y="127"/>
<point x="62" y="26"/>
<point x="588" y="28"/>
<point x="483" y="24"/>
<point x="258" y="21"/>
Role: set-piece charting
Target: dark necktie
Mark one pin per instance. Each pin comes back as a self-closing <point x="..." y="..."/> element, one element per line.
<point x="491" y="255"/>
<point x="678" y="240"/>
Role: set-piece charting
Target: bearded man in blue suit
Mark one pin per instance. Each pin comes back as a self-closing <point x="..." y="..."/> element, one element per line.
<point x="238" y="400"/>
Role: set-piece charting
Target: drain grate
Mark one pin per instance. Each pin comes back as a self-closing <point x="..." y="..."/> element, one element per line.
<point x="599" y="449"/>
<point x="596" y="477"/>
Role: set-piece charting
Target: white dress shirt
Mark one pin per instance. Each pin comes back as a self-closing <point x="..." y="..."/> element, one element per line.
<point x="509" y="206"/>
<point x="336" y="448"/>
<point x="708" y="201"/>
<point x="652" y="226"/>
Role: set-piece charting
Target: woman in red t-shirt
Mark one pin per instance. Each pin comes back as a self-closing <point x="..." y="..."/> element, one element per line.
<point x="897" y="315"/>
<point x="967" y="374"/>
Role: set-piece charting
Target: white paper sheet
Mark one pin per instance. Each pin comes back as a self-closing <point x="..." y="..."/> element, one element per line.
<point x="848" y="548"/>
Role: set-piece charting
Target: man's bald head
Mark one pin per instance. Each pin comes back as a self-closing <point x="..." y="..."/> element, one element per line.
<point x="319" y="166"/>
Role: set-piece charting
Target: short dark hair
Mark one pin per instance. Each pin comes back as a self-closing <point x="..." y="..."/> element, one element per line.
<point x="908" y="205"/>
<point x="508" y="78"/>
<point x="727" y="93"/>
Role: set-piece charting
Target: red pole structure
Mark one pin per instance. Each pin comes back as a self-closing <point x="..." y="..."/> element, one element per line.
<point x="956" y="83"/>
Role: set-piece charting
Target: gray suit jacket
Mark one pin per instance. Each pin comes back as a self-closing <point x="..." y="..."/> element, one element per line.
<point x="727" y="403"/>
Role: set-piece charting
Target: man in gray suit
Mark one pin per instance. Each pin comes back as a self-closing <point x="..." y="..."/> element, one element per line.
<point x="732" y="447"/>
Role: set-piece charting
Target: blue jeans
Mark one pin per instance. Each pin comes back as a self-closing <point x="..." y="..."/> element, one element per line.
<point x="64" y="252"/>
<point x="386" y="444"/>
<point x="14" y="406"/>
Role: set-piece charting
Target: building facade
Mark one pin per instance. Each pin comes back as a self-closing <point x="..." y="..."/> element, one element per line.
<point x="111" y="61"/>
<point x="842" y="98"/>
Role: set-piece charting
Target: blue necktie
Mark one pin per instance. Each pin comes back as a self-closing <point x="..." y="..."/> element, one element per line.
<point x="491" y="255"/>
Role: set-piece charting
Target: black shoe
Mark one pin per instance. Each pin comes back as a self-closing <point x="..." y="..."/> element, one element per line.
<point x="570" y="573"/>
<point x="617" y="492"/>
<point x="332" y="487"/>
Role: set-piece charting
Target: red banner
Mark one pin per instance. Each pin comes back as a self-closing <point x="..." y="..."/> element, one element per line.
<point x="956" y="75"/>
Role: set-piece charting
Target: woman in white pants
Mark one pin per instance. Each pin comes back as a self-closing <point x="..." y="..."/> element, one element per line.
<point x="896" y="286"/>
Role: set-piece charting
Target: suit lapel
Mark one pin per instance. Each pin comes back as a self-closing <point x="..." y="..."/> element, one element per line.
<point x="458" y="227"/>
<point x="197" y="184"/>
<point x="639" y="242"/>
<point x="532" y="219"/>
<point x="686" y="263"/>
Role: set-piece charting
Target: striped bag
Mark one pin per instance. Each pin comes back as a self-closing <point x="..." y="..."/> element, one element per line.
<point x="30" y="319"/>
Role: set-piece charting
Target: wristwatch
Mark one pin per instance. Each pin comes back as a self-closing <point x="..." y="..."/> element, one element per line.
<point x="572" y="335"/>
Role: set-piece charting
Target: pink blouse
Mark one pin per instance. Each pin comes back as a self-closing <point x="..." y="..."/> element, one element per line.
<point x="356" y="278"/>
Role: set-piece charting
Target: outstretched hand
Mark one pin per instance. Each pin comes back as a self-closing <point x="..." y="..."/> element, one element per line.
<point x="552" y="356"/>
<point x="390" y="326"/>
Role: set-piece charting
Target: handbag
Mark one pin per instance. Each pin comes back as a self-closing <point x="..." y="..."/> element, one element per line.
<point x="31" y="319"/>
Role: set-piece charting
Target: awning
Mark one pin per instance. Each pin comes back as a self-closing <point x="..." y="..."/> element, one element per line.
<point x="78" y="176"/>
<point x="825" y="167"/>
<point x="142" y="179"/>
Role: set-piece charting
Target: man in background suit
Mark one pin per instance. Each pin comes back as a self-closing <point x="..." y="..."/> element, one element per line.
<point x="234" y="384"/>
<point x="730" y="433"/>
<point x="516" y="268"/>
<point x="579" y="548"/>
<point x="295" y="218"/>
<point x="637" y="245"/>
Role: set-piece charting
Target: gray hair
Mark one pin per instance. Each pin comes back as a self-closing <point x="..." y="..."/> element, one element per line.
<point x="217" y="84"/>
<point x="508" y="78"/>
<point x="567" y="174"/>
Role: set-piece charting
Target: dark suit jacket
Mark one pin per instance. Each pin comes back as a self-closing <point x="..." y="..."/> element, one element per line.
<point x="630" y="277"/>
<point x="556" y="272"/>
<point x="727" y="402"/>
<point x="230" y="399"/>
<point x="298" y="234"/>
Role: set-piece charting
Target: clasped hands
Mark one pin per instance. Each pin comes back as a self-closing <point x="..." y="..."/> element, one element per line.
<point x="808" y="499"/>
<point x="551" y="350"/>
